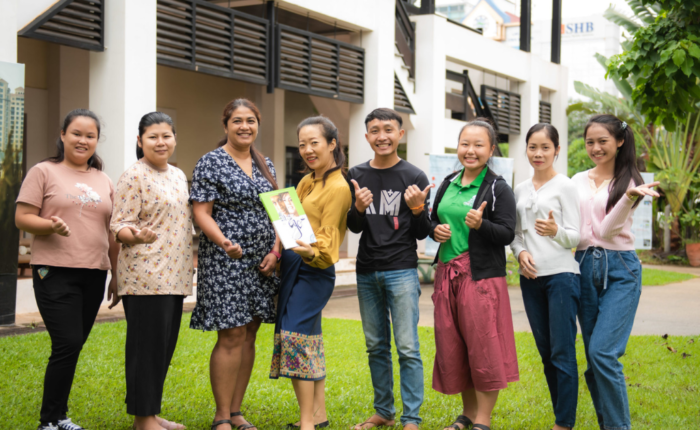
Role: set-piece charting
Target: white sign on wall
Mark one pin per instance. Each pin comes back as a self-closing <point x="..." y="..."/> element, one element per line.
<point x="642" y="219"/>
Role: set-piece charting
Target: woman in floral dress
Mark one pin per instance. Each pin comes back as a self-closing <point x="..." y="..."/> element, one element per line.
<point x="238" y="251"/>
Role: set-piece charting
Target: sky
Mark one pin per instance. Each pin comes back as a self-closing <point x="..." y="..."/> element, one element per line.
<point x="542" y="9"/>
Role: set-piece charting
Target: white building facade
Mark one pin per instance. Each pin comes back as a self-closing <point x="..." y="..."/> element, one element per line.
<point x="293" y="58"/>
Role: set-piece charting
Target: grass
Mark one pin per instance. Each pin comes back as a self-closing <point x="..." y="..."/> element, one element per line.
<point x="663" y="387"/>
<point x="650" y="277"/>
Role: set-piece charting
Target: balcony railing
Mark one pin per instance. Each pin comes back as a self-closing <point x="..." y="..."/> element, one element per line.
<point x="199" y="36"/>
<point x="405" y="37"/>
<point x="317" y="65"/>
<point x="504" y="107"/>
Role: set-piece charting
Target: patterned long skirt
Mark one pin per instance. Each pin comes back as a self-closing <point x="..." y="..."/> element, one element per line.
<point x="305" y="291"/>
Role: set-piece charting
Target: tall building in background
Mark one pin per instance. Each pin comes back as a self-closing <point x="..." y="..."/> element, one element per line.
<point x="4" y="115"/>
<point x="16" y="119"/>
<point x="582" y="37"/>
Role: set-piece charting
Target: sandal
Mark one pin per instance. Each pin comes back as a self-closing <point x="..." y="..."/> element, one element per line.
<point x="244" y="426"/>
<point x="481" y="426"/>
<point x="464" y="420"/>
<point x="293" y="426"/>
<point x="389" y="423"/>
<point x="216" y="424"/>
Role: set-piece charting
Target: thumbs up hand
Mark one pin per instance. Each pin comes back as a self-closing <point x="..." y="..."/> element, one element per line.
<point x="473" y="218"/>
<point x="363" y="197"/>
<point x="547" y="227"/>
<point x="415" y="198"/>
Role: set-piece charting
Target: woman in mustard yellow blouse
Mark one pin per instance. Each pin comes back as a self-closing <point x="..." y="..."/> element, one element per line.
<point x="308" y="274"/>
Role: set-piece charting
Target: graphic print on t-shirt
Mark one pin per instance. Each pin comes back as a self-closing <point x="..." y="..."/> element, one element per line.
<point x="389" y="204"/>
<point x="470" y="202"/>
<point x="89" y="197"/>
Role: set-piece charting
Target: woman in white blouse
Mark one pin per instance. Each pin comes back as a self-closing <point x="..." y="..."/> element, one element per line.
<point x="547" y="228"/>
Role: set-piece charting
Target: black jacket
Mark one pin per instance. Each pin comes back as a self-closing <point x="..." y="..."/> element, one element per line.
<point x="487" y="252"/>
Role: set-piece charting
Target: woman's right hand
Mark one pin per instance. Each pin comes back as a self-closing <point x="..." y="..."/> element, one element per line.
<point x="527" y="265"/>
<point x="233" y="251"/>
<point x="59" y="226"/>
<point x="144" y="235"/>
<point x="442" y="233"/>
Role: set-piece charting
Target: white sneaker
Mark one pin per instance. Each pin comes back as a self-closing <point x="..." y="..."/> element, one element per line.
<point x="48" y="426"/>
<point x="67" y="424"/>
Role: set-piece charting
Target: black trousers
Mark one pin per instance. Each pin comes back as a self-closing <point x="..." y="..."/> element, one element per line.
<point x="152" y="327"/>
<point x="68" y="300"/>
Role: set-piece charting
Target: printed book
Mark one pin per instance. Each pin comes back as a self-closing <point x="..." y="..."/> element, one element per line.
<point x="288" y="216"/>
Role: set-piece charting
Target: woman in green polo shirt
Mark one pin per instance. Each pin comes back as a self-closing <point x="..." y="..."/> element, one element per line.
<point x="474" y="210"/>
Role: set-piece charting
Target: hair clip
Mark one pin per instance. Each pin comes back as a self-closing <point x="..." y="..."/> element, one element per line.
<point x="624" y="125"/>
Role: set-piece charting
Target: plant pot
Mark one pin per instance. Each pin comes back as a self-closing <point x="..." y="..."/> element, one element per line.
<point x="693" y="252"/>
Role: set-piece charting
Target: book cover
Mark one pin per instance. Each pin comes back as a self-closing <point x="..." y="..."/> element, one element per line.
<point x="288" y="216"/>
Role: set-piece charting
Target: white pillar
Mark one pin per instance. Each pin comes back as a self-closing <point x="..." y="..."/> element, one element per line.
<point x="428" y="136"/>
<point x="8" y="31"/>
<point x="560" y="100"/>
<point x="379" y="87"/>
<point x="123" y="79"/>
<point x="529" y="116"/>
<point x="271" y="133"/>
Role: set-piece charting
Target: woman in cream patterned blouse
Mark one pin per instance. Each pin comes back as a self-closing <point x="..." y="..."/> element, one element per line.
<point x="153" y="221"/>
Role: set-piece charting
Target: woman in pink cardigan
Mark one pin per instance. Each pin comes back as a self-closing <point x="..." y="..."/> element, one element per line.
<point x="611" y="274"/>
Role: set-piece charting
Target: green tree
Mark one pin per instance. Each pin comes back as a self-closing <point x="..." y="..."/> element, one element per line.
<point x="663" y="62"/>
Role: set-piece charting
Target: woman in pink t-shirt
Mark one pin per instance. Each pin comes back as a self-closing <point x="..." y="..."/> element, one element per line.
<point x="66" y="203"/>
<point x="611" y="274"/>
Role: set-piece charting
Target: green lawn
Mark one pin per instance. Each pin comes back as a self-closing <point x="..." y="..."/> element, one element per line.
<point x="664" y="387"/>
<point x="650" y="277"/>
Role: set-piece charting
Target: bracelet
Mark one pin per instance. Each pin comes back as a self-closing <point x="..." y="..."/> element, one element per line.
<point x="418" y="207"/>
<point x="276" y="254"/>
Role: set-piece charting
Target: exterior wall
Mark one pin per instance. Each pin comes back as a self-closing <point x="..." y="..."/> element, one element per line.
<point x="198" y="99"/>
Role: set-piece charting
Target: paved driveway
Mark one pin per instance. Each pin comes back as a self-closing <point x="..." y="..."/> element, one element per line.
<point x="672" y="309"/>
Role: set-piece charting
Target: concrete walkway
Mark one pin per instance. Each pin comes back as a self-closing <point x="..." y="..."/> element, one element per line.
<point x="671" y="309"/>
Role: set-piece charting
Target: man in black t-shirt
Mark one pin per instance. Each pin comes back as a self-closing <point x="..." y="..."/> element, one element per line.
<point x="387" y="261"/>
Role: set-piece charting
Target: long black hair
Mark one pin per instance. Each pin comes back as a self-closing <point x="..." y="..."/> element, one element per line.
<point x="625" y="161"/>
<point x="329" y="132"/>
<point x="95" y="161"/>
<point x="148" y="120"/>
<point x="257" y="156"/>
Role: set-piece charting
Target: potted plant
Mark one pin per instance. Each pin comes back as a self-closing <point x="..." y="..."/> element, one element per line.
<point x="690" y="223"/>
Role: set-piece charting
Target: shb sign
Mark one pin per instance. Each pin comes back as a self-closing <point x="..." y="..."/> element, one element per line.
<point x="578" y="29"/>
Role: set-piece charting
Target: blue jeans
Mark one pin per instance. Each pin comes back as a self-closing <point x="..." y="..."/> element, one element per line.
<point x="551" y="303"/>
<point x="392" y="294"/>
<point x="611" y="284"/>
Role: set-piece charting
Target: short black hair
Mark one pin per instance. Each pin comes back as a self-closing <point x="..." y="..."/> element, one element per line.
<point x="384" y="114"/>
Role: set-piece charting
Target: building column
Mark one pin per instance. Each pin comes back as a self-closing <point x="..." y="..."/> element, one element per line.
<point x="8" y="31"/>
<point x="378" y="92"/>
<point x="529" y="116"/>
<point x="429" y="136"/>
<point x="271" y="133"/>
<point x="560" y="100"/>
<point x="123" y="80"/>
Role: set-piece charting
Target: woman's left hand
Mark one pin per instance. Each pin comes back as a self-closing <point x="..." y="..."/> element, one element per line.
<point x="643" y="190"/>
<point x="113" y="292"/>
<point x="268" y="264"/>
<point x="547" y="227"/>
<point x="474" y="217"/>
<point x="304" y="250"/>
